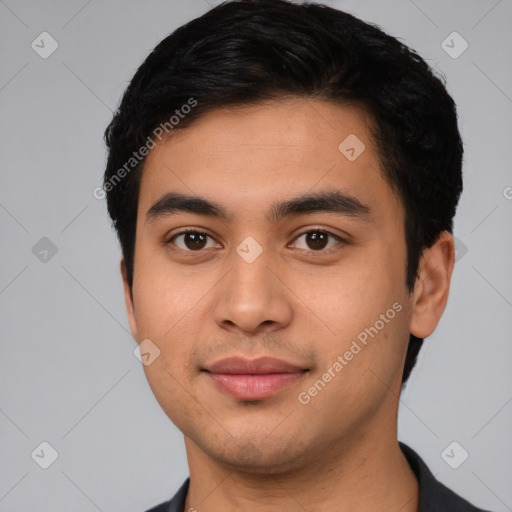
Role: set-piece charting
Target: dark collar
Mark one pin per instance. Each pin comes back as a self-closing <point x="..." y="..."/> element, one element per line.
<point x="433" y="495"/>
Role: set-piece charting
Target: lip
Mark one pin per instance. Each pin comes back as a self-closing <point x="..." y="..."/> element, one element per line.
<point x="254" y="379"/>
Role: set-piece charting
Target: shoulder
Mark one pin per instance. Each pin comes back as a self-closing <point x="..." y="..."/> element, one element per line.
<point x="433" y="495"/>
<point x="177" y="503"/>
<point x="163" y="507"/>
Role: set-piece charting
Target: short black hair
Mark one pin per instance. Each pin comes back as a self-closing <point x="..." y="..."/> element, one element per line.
<point x="247" y="51"/>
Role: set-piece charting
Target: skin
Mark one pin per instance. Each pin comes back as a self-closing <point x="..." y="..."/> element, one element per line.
<point x="295" y="302"/>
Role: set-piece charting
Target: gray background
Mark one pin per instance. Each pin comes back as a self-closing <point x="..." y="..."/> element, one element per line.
<point x="67" y="369"/>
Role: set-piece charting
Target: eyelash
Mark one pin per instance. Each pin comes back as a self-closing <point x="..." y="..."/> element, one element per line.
<point x="338" y="239"/>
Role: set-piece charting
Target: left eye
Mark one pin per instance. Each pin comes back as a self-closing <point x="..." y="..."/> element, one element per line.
<point x="318" y="240"/>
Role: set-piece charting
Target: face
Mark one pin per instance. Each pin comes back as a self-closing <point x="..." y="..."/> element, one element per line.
<point x="296" y="252"/>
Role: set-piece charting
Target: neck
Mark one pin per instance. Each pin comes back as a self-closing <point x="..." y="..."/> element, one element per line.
<point x="367" y="473"/>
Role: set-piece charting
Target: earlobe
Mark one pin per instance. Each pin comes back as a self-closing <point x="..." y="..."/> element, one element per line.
<point x="432" y="285"/>
<point x="128" y="299"/>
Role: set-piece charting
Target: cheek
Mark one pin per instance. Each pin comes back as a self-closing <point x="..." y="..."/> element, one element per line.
<point x="170" y="318"/>
<point x="359" y="370"/>
<point x="165" y="318"/>
<point x="353" y="297"/>
<point x="366" y="306"/>
<point x="168" y="385"/>
<point x="161" y="298"/>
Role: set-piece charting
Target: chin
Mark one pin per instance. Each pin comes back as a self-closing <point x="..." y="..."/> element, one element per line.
<point x="265" y="456"/>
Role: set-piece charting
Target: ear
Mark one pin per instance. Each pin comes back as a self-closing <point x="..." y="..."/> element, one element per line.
<point x="128" y="300"/>
<point x="432" y="285"/>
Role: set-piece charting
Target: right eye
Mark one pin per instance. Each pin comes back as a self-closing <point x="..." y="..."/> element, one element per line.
<point x="191" y="240"/>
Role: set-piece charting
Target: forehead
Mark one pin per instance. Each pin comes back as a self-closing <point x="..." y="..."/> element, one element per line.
<point x="248" y="156"/>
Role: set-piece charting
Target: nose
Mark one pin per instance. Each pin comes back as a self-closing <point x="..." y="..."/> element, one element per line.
<point x="253" y="298"/>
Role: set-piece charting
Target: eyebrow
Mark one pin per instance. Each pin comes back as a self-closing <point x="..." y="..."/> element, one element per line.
<point x="332" y="201"/>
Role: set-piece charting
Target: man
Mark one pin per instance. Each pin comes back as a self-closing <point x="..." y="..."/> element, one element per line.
<point x="283" y="180"/>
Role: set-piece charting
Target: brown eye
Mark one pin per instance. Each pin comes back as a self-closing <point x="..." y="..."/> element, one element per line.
<point x="191" y="240"/>
<point x="317" y="240"/>
<point x="195" y="241"/>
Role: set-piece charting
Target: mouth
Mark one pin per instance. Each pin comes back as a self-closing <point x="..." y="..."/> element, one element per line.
<point x="255" y="379"/>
